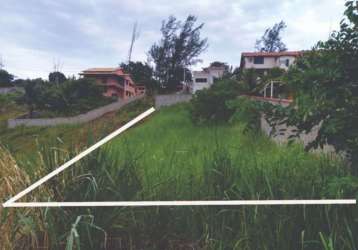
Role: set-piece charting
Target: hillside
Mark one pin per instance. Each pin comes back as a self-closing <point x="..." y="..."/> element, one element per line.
<point x="167" y="157"/>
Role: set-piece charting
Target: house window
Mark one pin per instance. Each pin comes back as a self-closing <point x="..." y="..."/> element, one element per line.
<point x="258" y="60"/>
<point x="201" y="80"/>
<point x="287" y="63"/>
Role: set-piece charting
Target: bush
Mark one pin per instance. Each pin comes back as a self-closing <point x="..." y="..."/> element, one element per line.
<point x="209" y="105"/>
<point x="247" y="112"/>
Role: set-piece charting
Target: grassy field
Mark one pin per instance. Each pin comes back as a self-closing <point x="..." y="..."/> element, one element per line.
<point x="167" y="157"/>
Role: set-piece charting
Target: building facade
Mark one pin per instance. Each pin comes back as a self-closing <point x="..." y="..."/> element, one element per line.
<point x="205" y="78"/>
<point x="116" y="82"/>
<point x="262" y="61"/>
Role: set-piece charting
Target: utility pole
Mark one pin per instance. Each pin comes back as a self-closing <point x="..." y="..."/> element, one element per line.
<point x="1" y="63"/>
<point x="56" y="68"/>
<point x="135" y="36"/>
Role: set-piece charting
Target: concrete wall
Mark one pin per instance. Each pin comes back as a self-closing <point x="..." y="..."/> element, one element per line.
<point x="282" y="132"/>
<point x="89" y="116"/>
<point x="167" y="100"/>
<point x="11" y="90"/>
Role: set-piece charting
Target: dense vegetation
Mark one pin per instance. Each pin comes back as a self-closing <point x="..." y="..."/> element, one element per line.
<point x="324" y="83"/>
<point x="170" y="158"/>
<point x="142" y="74"/>
<point x="72" y="96"/>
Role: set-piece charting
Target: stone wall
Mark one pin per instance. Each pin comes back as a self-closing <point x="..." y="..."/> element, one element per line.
<point x="82" y="118"/>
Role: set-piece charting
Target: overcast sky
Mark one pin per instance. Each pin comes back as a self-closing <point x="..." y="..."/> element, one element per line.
<point x="96" y="33"/>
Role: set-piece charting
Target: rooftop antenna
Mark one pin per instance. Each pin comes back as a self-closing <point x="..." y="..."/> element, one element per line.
<point x="135" y="35"/>
<point x="57" y="65"/>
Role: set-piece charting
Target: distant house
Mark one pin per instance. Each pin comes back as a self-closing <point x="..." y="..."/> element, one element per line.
<point x="263" y="61"/>
<point x="116" y="82"/>
<point x="205" y="78"/>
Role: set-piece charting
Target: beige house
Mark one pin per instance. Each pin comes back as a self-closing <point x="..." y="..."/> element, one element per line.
<point x="263" y="61"/>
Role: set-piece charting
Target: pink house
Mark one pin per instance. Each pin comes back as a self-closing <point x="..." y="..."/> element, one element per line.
<point x="116" y="82"/>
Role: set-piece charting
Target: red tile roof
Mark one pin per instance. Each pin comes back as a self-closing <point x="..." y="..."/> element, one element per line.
<point x="272" y="54"/>
<point x="101" y="71"/>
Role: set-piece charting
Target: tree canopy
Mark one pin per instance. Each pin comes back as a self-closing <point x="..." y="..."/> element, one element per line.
<point x="56" y="77"/>
<point x="141" y="74"/>
<point x="5" y="78"/>
<point x="271" y="40"/>
<point x="179" y="48"/>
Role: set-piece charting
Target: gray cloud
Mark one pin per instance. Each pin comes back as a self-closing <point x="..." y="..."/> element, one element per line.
<point x="89" y="33"/>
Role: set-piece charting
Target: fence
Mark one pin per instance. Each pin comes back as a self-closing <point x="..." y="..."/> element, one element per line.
<point x="82" y="118"/>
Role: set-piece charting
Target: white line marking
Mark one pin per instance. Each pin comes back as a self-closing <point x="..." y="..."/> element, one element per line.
<point x="181" y="203"/>
<point x="79" y="156"/>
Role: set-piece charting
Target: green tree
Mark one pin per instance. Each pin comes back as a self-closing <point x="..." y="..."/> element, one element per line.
<point x="5" y="78"/>
<point x="56" y="77"/>
<point x="141" y="74"/>
<point x="325" y="86"/>
<point x="271" y="40"/>
<point x="179" y="48"/>
<point x="34" y="96"/>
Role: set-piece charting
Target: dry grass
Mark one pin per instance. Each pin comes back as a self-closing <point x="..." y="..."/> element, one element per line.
<point x="16" y="224"/>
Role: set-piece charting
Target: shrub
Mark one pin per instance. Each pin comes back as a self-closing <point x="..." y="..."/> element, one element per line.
<point x="209" y="105"/>
<point x="247" y="112"/>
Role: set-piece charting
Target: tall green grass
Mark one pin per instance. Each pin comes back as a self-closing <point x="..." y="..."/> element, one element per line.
<point x="168" y="158"/>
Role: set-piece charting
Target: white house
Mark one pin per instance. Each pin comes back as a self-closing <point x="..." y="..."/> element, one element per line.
<point x="263" y="61"/>
<point x="205" y="78"/>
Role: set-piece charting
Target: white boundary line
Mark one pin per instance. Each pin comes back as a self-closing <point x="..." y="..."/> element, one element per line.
<point x="79" y="156"/>
<point x="181" y="203"/>
<point x="11" y="202"/>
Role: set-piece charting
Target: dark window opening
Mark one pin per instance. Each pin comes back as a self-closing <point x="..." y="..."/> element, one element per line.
<point x="258" y="60"/>
<point x="201" y="80"/>
<point x="287" y="62"/>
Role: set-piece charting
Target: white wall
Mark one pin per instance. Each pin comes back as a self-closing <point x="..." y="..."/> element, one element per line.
<point x="269" y="62"/>
<point x="201" y="85"/>
<point x="282" y="59"/>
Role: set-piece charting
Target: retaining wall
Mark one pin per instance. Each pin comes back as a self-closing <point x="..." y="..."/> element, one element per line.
<point x="82" y="118"/>
<point x="167" y="100"/>
<point x="282" y="132"/>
